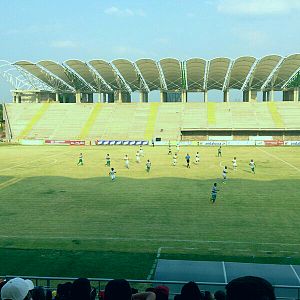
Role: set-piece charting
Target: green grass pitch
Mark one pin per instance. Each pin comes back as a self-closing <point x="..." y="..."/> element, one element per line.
<point x="60" y="219"/>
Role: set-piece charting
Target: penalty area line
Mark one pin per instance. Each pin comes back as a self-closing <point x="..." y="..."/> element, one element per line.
<point x="278" y="158"/>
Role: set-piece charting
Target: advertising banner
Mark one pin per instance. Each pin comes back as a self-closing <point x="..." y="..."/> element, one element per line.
<point x="77" y="143"/>
<point x="240" y="143"/>
<point x="212" y="143"/>
<point x="274" y="143"/>
<point x="57" y="142"/>
<point x="292" y="143"/>
<point x="120" y="142"/>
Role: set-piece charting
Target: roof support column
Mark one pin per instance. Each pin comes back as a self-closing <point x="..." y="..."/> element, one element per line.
<point x="119" y="97"/>
<point x="143" y="97"/>
<point x="56" y="97"/>
<point x="205" y="96"/>
<point x="163" y="96"/>
<point x="265" y="98"/>
<point x="246" y="96"/>
<point x="103" y="97"/>
<point x="78" y="97"/>
<point x="226" y="96"/>
<point x="270" y="95"/>
<point x="296" y="94"/>
<point x="253" y="96"/>
<point x="64" y="98"/>
<point x="184" y="96"/>
<point x="37" y="98"/>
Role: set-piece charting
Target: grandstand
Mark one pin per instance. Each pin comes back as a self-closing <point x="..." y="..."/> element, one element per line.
<point x="142" y="121"/>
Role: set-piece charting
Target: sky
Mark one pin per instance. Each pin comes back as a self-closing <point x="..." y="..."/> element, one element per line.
<point x="71" y="29"/>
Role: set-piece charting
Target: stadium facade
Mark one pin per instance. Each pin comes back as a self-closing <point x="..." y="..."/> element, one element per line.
<point x="77" y="81"/>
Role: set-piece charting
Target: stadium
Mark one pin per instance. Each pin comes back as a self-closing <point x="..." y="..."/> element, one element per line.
<point x="178" y="174"/>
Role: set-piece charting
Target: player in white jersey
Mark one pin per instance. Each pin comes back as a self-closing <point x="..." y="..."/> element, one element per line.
<point x="137" y="157"/>
<point x="126" y="159"/>
<point x="141" y="151"/>
<point x="224" y="174"/>
<point x="197" y="157"/>
<point x="252" y="166"/>
<point x="177" y="147"/>
<point x="112" y="174"/>
<point x="234" y="164"/>
<point x="174" y="159"/>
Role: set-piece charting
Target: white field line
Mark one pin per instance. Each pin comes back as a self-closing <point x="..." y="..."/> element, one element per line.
<point x="32" y="161"/>
<point x="224" y="271"/>
<point x="126" y="239"/>
<point x="295" y="273"/>
<point x="158" y="256"/>
<point x="154" y="263"/>
<point x="276" y="157"/>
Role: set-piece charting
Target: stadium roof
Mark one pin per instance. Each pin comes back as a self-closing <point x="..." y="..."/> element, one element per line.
<point x="169" y="74"/>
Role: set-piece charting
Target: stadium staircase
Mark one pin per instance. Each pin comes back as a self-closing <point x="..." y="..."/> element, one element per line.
<point x="150" y="127"/>
<point x="211" y="113"/>
<point x="275" y="115"/>
<point x="91" y="120"/>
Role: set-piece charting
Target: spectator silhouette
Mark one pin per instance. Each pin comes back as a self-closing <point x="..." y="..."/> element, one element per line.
<point x="249" y="288"/>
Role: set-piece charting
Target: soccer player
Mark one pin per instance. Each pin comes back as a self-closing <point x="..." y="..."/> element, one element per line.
<point x="197" y="157"/>
<point x="187" y="158"/>
<point x="148" y="166"/>
<point x="80" y="160"/>
<point x="174" y="159"/>
<point x="252" y="166"/>
<point x="234" y="164"/>
<point x="169" y="150"/>
<point x="220" y="151"/>
<point x="177" y="147"/>
<point x="137" y="157"/>
<point x="112" y="174"/>
<point x="141" y="151"/>
<point x="126" y="159"/>
<point x="224" y="174"/>
<point x="107" y="160"/>
<point x="214" y="191"/>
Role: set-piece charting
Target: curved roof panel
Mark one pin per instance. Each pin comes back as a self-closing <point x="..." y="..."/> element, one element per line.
<point x="262" y="71"/>
<point x="288" y="67"/>
<point x="172" y="73"/>
<point x="35" y="70"/>
<point x="218" y="68"/>
<point x="195" y="72"/>
<point x="128" y="72"/>
<point x="56" y="69"/>
<point x="107" y="72"/>
<point x="240" y="70"/>
<point x="83" y="70"/>
<point x="150" y="73"/>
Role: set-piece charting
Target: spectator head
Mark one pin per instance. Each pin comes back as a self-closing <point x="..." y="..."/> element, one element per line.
<point x="17" y="289"/>
<point x="220" y="295"/>
<point x="64" y="291"/>
<point x="208" y="295"/>
<point x="81" y="289"/>
<point x="48" y="295"/>
<point x="161" y="292"/>
<point x="190" y="291"/>
<point x="38" y="293"/>
<point x="250" y="288"/>
<point x="118" y="289"/>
